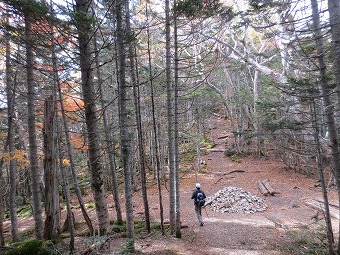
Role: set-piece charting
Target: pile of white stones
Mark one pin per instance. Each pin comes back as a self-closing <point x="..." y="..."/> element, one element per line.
<point x="232" y="199"/>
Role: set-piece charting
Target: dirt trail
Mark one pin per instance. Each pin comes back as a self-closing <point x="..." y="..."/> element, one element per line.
<point x="237" y="233"/>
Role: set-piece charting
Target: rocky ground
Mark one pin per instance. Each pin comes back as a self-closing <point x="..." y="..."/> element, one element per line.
<point x="235" y="200"/>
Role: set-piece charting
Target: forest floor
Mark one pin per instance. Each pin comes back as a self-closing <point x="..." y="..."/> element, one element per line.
<point x="286" y="227"/>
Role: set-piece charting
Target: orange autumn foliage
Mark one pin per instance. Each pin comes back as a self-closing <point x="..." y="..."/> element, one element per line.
<point x="20" y="156"/>
<point x="72" y="104"/>
<point x="78" y="142"/>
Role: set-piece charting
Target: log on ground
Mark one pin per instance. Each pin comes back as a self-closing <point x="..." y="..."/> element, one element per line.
<point x="262" y="188"/>
<point x="215" y="150"/>
<point x="329" y="202"/>
<point x="320" y="206"/>
<point x="269" y="187"/>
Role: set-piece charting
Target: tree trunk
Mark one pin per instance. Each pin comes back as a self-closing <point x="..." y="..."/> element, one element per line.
<point x="10" y="91"/>
<point x="33" y="155"/>
<point x="56" y="90"/>
<point x="67" y="195"/>
<point x="67" y="138"/>
<point x="124" y="121"/>
<point x="154" y="125"/>
<point x="72" y="165"/>
<point x="52" y="203"/>
<point x="175" y="145"/>
<point x="84" y="26"/>
<point x="141" y="154"/>
<point x="255" y="117"/>
<point x="198" y="145"/>
<point x="132" y="57"/>
<point x="334" y="18"/>
<point x="109" y="144"/>
<point x="330" y="236"/>
<point x="328" y="106"/>
<point x="70" y="157"/>
<point x="170" y="118"/>
<point x="2" y="239"/>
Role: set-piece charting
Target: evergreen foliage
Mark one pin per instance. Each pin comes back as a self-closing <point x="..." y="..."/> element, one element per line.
<point x="203" y="8"/>
<point x="33" y="8"/>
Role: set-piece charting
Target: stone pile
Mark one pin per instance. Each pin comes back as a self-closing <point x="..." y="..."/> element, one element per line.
<point x="232" y="199"/>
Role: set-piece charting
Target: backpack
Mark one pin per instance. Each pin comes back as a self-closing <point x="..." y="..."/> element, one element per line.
<point x="200" y="199"/>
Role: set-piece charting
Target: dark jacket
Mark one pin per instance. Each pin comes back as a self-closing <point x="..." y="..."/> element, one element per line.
<point x="194" y="194"/>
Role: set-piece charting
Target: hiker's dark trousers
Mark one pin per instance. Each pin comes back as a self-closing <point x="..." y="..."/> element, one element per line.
<point x="199" y="213"/>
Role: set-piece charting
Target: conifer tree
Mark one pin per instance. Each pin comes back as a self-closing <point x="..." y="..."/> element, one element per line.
<point x="85" y="22"/>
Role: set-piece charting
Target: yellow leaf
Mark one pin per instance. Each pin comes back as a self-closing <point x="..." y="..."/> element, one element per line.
<point x="66" y="162"/>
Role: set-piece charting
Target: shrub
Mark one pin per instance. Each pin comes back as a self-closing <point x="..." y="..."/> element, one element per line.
<point x="32" y="247"/>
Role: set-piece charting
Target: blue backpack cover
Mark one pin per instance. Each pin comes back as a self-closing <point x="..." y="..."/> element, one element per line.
<point x="200" y="199"/>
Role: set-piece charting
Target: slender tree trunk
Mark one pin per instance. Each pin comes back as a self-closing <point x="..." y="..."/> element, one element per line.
<point x="334" y="18"/>
<point x="330" y="236"/>
<point x="52" y="203"/>
<point x="109" y="144"/>
<point x="142" y="157"/>
<point x="89" y="94"/>
<point x="198" y="145"/>
<point x="154" y="125"/>
<point x="10" y="91"/>
<point x="170" y="113"/>
<point x="162" y="154"/>
<point x="176" y="152"/>
<point x="55" y="212"/>
<point x="325" y="91"/>
<point x="52" y="139"/>
<point x="255" y="118"/>
<point x="33" y="155"/>
<point x="2" y="239"/>
<point x="152" y="148"/>
<point x="71" y="159"/>
<point x="66" y="191"/>
<point x="124" y="121"/>
<point x="72" y="165"/>
<point x="67" y="136"/>
<point x="132" y="57"/>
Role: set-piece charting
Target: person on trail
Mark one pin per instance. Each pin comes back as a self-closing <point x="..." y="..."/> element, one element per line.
<point x="199" y="200"/>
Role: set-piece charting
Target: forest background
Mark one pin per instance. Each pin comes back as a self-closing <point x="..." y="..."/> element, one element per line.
<point x="109" y="94"/>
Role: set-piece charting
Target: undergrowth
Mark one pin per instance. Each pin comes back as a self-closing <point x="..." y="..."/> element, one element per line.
<point x="235" y="155"/>
<point x="307" y="241"/>
<point x="32" y="247"/>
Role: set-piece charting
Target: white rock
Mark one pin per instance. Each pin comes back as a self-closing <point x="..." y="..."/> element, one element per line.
<point x="233" y="199"/>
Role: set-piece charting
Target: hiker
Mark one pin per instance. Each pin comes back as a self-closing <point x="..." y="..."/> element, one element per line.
<point x="199" y="200"/>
